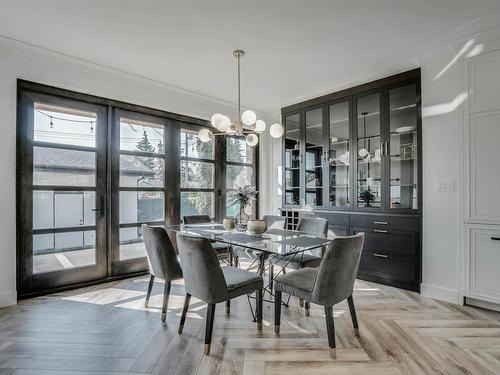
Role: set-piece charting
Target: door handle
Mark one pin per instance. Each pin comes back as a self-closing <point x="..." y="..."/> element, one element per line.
<point x="380" y="231"/>
<point x="495" y="238"/>
<point x="381" y="222"/>
<point x="380" y="255"/>
<point x="96" y="209"/>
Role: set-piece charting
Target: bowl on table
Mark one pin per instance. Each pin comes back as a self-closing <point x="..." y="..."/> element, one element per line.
<point x="256" y="226"/>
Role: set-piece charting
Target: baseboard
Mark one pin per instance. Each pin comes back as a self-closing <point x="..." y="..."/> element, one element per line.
<point x="483" y="304"/>
<point x="8" y="298"/>
<point x="440" y="293"/>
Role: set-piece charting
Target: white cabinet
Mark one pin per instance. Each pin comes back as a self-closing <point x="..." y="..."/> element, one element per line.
<point x="482" y="179"/>
<point x="484" y="263"/>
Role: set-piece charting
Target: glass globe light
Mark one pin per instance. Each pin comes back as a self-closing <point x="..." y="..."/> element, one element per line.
<point x="276" y="130"/>
<point x="213" y="119"/>
<point x="222" y="123"/>
<point x="205" y="135"/>
<point x="252" y="139"/>
<point x="260" y="126"/>
<point x="249" y="117"/>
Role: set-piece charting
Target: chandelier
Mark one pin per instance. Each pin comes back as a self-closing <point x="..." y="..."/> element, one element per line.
<point x="246" y="125"/>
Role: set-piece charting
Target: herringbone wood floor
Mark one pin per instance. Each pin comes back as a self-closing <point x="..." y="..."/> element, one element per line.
<point x="106" y="330"/>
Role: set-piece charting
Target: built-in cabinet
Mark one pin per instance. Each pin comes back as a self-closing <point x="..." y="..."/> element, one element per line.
<point x="353" y="157"/>
<point x="481" y="225"/>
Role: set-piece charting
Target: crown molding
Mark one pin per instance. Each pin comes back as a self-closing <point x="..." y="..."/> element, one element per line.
<point x="32" y="51"/>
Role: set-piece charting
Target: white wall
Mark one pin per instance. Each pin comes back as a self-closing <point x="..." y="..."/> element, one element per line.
<point x="18" y="60"/>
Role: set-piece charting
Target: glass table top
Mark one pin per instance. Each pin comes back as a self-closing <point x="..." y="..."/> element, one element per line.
<point x="276" y="241"/>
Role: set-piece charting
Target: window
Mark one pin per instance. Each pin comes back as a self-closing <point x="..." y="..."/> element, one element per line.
<point x="141" y="179"/>
<point x="197" y="175"/>
<point x="239" y="171"/>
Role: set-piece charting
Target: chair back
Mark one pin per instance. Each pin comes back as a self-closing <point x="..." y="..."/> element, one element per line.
<point x="274" y="221"/>
<point x="203" y="277"/>
<point x="338" y="270"/>
<point x="313" y="225"/>
<point x="196" y="219"/>
<point x="162" y="258"/>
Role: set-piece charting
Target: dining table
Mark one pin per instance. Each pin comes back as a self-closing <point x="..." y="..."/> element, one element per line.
<point x="275" y="245"/>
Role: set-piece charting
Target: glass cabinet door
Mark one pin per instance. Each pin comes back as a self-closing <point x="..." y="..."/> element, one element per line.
<point x="369" y="153"/>
<point x="403" y="147"/>
<point x="314" y="157"/>
<point x="292" y="159"/>
<point x="338" y="155"/>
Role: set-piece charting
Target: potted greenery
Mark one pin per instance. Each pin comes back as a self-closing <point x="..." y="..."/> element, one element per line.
<point x="367" y="196"/>
<point x="243" y="196"/>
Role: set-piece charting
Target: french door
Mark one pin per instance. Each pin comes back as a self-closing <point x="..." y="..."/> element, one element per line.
<point x="61" y="223"/>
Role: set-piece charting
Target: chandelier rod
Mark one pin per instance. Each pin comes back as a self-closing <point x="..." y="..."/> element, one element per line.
<point x="238" y="53"/>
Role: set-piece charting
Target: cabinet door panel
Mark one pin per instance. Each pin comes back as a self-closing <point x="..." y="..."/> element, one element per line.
<point x="292" y="160"/>
<point x="484" y="258"/>
<point x="314" y="157"/>
<point x="484" y="170"/>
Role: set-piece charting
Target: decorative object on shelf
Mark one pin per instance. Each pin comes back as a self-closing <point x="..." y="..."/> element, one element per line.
<point x="408" y="151"/>
<point x="229" y="223"/>
<point x="256" y="226"/>
<point x="367" y="196"/>
<point x="246" y="124"/>
<point x="243" y="196"/>
<point x="363" y="152"/>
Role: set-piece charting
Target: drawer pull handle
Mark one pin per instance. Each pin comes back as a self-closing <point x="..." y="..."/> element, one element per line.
<point x="495" y="238"/>
<point x="381" y="222"/>
<point x="380" y="255"/>
<point x="380" y="231"/>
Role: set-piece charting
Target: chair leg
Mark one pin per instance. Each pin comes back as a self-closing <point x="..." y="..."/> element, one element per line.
<point x="354" y="318"/>
<point x="301" y="302"/>
<point x="228" y="307"/>
<point x="258" y="308"/>
<point x="184" y="312"/>
<point x="209" y="327"/>
<point x="166" y="295"/>
<point x="277" y="311"/>
<point x="271" y="275"/>
<point x="330" y="327"/>
<point x="307" y="308"/>
<point x="231" y="258"/>
<point x="150" y="288"/>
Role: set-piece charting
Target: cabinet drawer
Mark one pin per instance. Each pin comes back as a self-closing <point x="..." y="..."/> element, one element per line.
<point x="389" y="240"/>
<point x="402" y="222"/>
<point x="387" y="263"/>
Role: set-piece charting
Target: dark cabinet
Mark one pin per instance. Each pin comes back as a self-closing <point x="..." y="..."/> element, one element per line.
<point x="354" y="157"/>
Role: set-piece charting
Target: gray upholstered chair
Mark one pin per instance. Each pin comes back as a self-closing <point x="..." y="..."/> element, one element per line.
<point x="327" y="285"/>
<point x="205" y="279"/>
<point x="274" y="221"/>
<point x="163" y="262"/>
<point x="223" y="250"/>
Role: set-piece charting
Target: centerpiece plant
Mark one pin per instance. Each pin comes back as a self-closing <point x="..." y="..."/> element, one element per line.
<point x="243" y="196"/>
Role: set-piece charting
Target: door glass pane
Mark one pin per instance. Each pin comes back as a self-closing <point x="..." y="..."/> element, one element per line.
<point x="141" y="206"/>
<point x="192" y="147"/>
<point x="64" y="125"/>
<point x="292" y="159"/>
<point x="197" y="203"/>
<point x="141" y="171"/>
<point x="195" y="174"/>
<point x="60" y="209"/>
<point x="238" y="176"/>
<point x="238" y="151"/>
<point x="314" y="157"/>
<point x="369" y="151"/>
<point x="403" y="147"/>
<point x="131" y="243"/>
<point x="338" y="156"/>
<point x="55" y="166"/>
<point x="60" y="251"/>
<point x="141" y="136"/>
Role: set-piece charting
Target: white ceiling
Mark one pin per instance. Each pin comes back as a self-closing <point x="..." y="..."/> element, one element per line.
<point x="294" y="49"/>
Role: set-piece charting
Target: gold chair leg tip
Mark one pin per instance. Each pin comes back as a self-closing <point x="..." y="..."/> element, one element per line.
<point x="181" y="327"/>
<point x="308" y="312"/>
<point x="163" y="317"/>
<point x="206" y="351"/>
<point x="301" y="303"/>
<point x="333" y="353"/>
<point x="356" y="331"/>
<point x="259" y="326"/>
<point x="276" y="329"/>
